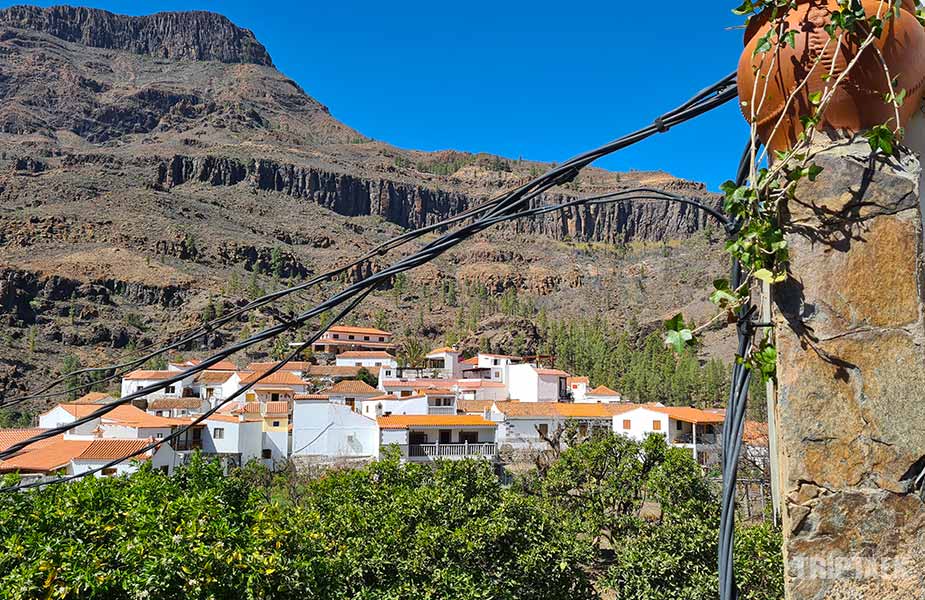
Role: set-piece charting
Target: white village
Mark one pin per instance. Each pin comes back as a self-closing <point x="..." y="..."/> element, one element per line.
<point x="348" y="406"/>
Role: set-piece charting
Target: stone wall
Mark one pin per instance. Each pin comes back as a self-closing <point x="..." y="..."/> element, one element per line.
<point x="851" y="370"/>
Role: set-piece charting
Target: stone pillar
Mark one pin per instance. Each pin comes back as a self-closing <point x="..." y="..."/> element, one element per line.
<point x="851" y="372"/>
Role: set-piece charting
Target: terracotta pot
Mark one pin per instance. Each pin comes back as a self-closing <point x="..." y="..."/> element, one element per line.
<point x="858" y="102"/>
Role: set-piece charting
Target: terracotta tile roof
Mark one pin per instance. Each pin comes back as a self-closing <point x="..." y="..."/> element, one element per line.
<point x="335" y="371"/>
<point x="439" y="392"/>
<point x="352" y="386"/>
<point x="366" y="354"/>
<point x="277" y="408"/>
<point x="499" y="355"/>
<point x="223" y="365"/>
<point x="248" y="408"/>
<point x="442" y="350"/>
<point x="476" y="384"/>
<point x="603" y="390"/>
<point x="8" y="437"/>
<point x="558" y="372"/>
<point x="755" y="433"/>
<point x="46" y="458"/>
<point x="109" y="449"/>
<point x="583" y="380"/>
<point x="233" y="418"/>
<point x="124" y="414"/>
<point x="311" y="397"/>
<point x="94" y="398"/>
<point x="564" y="410"/>
<point x="473" y="406"/>
<point x="292" y="365"/>
<point x="143" y="374"/>
<point x="361" y="330"/>
<point x="470" y="361"/>
<point x="279" y="378"/>
<point x="689" y="414"/>
<point x="406" y="421"/>
<point x="169" y="403"/>
<point x="213" y="377"/>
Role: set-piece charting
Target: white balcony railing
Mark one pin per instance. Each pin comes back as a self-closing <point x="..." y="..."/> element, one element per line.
<point x="465" y="450"/>
<point x="441" y="410"/>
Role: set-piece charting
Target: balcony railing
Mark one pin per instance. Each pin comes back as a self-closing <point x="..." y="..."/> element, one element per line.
<point x="441" y="410"/>
<point x="464" y="450"/>
<point x="706" y="439"/>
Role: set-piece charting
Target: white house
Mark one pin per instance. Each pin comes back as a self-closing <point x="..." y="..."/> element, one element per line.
<point x="522" y="425"/>
<point x="140" y="379"/>
<point x="101" y="452"/>
<point x="445" y="361"/>
<point x="341" y="338"/>
<point x="424" y="438"/>
<point x="480" y="389"/>
<point x="682" y="426"/>
<point x="487" y="366"/>
<point x="279" y="386"/>
<point x="529" y="383"/>
<point x="602" y="394"/>
<point x="432" y="402"/>
<point x="215" y="386"/>
<point x="578" y="386"/>
<point x="238" y="438"/>
<point x="350" y="392"/>
<point x="366" y="358"/>
<point x="176" y="407"/>
<point x="325" y="430"/>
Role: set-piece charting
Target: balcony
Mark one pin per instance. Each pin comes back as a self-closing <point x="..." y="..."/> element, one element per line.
<point x="441" y="410"/>
<point x="703" y="439"/>
<point x="451" y="451"/>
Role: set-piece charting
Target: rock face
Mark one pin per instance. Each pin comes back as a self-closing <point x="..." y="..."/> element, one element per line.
<point x="851" y="371"/>
<point x="195" y="35"/>
<point x="411" y="205"/>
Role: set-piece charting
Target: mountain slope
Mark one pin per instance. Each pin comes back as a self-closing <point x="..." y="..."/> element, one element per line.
<point x="152" y="168"/>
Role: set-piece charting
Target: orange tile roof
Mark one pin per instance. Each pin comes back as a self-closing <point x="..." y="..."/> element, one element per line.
<point x="277" y="408"/>
<point x="311" y="397"/>
<point x="280" y="377"/>
<point x="168" y="403"/>
<point x="213" y="376"/>
<point x="109" y="449"/>
<point x="335" y="371"/>
<point x="93" y="398"/>
<point x="442" y="350"/>
<point x="223" y="365"/>
<point x="470" y="361"/>
<point x="232" y="418"/>
<point x="124" y="414"/>
<point x="603" y="390"/>
<point x="248" y="408"/>
<point x="151" y="375"/>
<point x="366" y="354"/>
<point x="406" y="421"/>
<point x="46" y="458"/>
<point x="352" y="386"/>
<point x="564" y="410"/>
<point x="689" y="414"/>
<point x="474" y="406"/>
<point x="583" y="380"/>
<point x="361" y="330"/>
<point x="292" y="365"/>
<point x="8" y="437"/>
<point x="558" y="372"/>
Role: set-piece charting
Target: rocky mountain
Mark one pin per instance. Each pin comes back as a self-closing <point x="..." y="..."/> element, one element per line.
<point x="153" y="169"/>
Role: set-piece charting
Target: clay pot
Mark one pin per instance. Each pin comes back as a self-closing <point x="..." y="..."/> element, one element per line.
<point x="858" y="102"/>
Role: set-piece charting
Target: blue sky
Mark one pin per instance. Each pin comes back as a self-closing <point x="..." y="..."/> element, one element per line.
<point x="538" y="80"/>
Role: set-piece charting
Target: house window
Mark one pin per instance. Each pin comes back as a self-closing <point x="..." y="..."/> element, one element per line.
<point x="446" y="436"/>
<point x="274" y="397"/>
<point x="267" y="453"/>
<point x="351" y="402"/>
<point x="678" y="425"/>
<point x="160" y="436"/>
<point x="169" y="389"/>
<point x="358" y="363"/>
<point x="405" y="393"/>
<point x="381" y="339"/>
<point x="417" y="437"/>
<point x="158" y="413"/>
<point x="336" y="336"/>
<point x="378" y="364"/>
<point x="349" y="337"/>
<point x="165" y="469"/>
<point x="275" y="423"/>
<point x="543" y="428"/>
<point x="366" y="338"/>
<point x="656" y="425"/>
<point x="627" y="424"/>
<point x="494" y="362"/>
<point x="218" y="433"/>
<point x="109" y="471"/>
